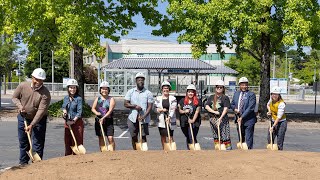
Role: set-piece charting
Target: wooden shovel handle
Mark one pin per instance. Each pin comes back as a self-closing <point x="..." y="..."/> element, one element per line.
<point x="102" y="131"/>
<point x="169" y="137"/>
<point x="219" y="133"/>
<point x="191" y="131"/>
<point x="271" y="141"/>
<point x="240" y="134"/>
<point x="74" y="139"/>
<point x="28" y="134"/>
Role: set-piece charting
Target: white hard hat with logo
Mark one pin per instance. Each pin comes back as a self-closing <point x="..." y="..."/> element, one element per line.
<point x="165" y="83"/>
<point x="276" y="90"/>
<point x="39" y="73"/>
<point x="219" y="83"/>
<point x="104" y="84"/>
<point x="243" y="80"/>
<point x="140" y="75"/>
<point x="191" y="87"/>
<point x="72" y="82"/>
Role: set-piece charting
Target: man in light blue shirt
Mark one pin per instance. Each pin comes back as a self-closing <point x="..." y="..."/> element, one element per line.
<point x="139" y="100"/>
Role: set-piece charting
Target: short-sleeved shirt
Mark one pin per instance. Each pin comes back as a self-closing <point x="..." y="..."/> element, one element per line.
<point x="140" y="98"/>
<point x="193" y="108"/>
<point x="222" y="102"/>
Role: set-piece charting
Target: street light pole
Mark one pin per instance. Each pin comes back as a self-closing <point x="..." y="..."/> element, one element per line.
<point x="274" y="64"/>
<point x="19" y="70"/>
<point x="52" y="78"/>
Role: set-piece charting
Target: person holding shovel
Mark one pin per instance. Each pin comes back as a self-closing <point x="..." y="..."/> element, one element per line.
<point x="165" y="107"/>
<point x="103" y="107"/>
<point x="244" y="103"/>
<point x="32" y="100"/>
<point x="276" y="109"/>
<point x="139" y="100"/>
<point x="217" y="105"/>
<point x="189" y="110"/>
<point x="72" y="113"/>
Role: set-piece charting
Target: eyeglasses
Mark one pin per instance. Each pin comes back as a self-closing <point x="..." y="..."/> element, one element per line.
<point x="219" y="87"/>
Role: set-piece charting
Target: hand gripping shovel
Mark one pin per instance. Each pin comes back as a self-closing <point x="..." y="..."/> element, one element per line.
<point x="33" y="155"/>
<point x="76" y="149"/>
<point x="272" y="146"/>
<point x="220" y="146"/>
<point x="193" y="146"/>
<point x="171" y="146"/>
<point x="142" y="146"/>
<point x="105" y="148"/>
<point x="241" y="145"/>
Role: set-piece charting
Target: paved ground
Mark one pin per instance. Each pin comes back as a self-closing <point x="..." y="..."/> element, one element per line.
<point x="297" y="139"/>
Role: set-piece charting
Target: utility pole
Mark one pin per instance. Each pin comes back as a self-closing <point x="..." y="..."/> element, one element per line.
<point x="19" y="70"/>
<point x="274" y="64"/>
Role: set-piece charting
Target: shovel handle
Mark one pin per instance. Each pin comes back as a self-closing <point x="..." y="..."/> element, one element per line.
<point x="219" y="134"/>
<point x="102" y="131"/>
<point x="191" y="131"/>
<point x="28" y="134"/>
<point x="240" y="135"/>
<point x="271" y="141"/>
<point x="169" y="136"/>
<point x="74" y="139"/>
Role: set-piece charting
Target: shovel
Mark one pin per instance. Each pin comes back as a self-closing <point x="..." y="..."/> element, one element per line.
<point x="272" y="146"/>
<point x="105" y="148"/>
<point x="241" y="145"/>
<point x="171" y="146"/>
<point x="193" y="146"/>
<point x="76" y="149"/>
<point x="142" y="146"/>
<point x="33" y="155"/>
<point x="220" y="146"/>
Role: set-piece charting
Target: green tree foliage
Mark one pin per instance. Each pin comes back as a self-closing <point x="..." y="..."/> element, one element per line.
<point x="247" y="66"/>
<point x="258" y="28"/>
<point x="79" y="24"/>
<point x="7" y="56"/>
<point x="309" y="68"/>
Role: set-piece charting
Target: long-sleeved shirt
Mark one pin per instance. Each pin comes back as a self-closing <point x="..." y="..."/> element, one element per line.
<point x="35" y="101"/>
<point x="73" y="107"/>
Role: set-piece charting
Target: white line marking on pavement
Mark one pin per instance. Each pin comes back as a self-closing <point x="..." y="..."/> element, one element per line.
<point x="4" y="103"/>
<point x="121" y="135"/>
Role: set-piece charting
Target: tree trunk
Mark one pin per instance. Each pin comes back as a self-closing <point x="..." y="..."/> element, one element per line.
<point x="265" y="75"/>
<point x="78" y="68"/>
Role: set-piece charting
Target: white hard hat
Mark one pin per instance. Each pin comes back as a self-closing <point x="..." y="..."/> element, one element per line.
<point x="191" y="87"/>
<point x="243" y="80"/>
<point x="165" y="83"/>
<point x="72" y="82"/>
<point x="140" y="75"/>
<point x="39" y="73"/>
<point x="275" y="90"/>
<point x="219" y="83"/>
<point x="104" y="84"/>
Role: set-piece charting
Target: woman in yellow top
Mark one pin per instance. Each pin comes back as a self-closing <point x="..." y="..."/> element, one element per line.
<point x="276" y="109"/>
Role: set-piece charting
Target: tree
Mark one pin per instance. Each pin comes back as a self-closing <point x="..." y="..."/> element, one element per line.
<point x="79" y="24"/>
<point x="308" y="67"/>
<point x="246" y="66"/>
<point x="258" y="28"/>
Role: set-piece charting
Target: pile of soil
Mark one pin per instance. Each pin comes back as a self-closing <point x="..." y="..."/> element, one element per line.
<point x="236" y="164"/>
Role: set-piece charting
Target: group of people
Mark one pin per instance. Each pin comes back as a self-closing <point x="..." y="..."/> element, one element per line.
<point x="33" y="100"/>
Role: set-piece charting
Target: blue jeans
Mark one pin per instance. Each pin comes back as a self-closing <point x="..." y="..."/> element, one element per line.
<point x="247" y="134"/>
<point x="37" y="136"/>
<point x="279" y="131"/>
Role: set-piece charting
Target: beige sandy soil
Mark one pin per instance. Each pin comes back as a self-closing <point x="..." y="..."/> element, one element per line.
<point x="236" y="164"/>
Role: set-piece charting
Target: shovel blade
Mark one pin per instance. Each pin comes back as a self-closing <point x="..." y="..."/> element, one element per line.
<point x="191" y="146"/>
<point x="166" y="147"/>
<point x="269" y="146"/>
<point x="239" y="145"/>
<point x="197" y="147"/>
<point x="275" y="147"/>
<point x="110" y="147"/>
<point x="75" y="150"/>
<point x="103" y="148"/>
<point x="173" y="146"/>
<point x="216" y="146"/>
<point x="81" y="149"/>
<point x="245" y="146"/>
<point x="36" y="157"/>
<point x="144" y="146"/>
<point x="138" y="146"/>
<point x="223" y="147"/>
<point x="30" y="154"/>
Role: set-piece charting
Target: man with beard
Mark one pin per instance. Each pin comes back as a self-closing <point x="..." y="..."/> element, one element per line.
<point x="139" y="100"/>
<point x="32" y="100"/>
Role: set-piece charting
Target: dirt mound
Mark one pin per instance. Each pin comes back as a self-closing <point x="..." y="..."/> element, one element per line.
<point x="236" y="164"/>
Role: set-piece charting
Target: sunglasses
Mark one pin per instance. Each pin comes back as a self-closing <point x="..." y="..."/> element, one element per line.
<point x="219" y="87"/>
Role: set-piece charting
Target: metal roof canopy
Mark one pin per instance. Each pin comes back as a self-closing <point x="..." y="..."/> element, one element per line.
<point x="223" y="70"/>
<point x="160" y="64"/>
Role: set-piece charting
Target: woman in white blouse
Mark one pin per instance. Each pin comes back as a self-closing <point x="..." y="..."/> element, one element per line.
<point x="165" y="107"/>
<point x="276" y="109"/>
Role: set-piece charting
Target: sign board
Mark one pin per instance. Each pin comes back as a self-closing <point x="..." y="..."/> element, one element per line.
<point x="173" y="83"/>
<point x="281" y="82"/>
<point x="65" y="80"/>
